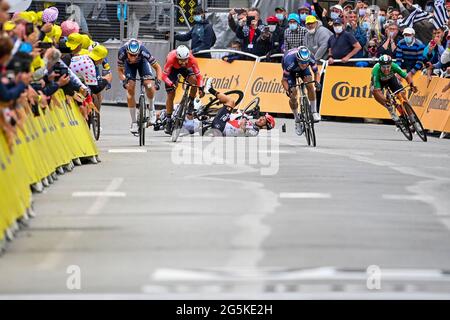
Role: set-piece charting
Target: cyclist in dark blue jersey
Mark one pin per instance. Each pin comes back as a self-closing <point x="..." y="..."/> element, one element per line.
<point x="296" y="63"/>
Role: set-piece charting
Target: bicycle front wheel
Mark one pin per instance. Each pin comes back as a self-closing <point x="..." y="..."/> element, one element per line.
<point x="95" y="120"/>
<point x="415" y="121"/>
<point x="141" y="121"/>
<point x="179" y="120"/>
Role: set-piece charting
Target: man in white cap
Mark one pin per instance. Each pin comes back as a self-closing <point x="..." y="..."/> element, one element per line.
<point x="410" y="52"/>
<point x="336" y="11"/>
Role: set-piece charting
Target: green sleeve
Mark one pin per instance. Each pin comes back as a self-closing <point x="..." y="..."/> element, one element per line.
<point x="398" y="70"/>
<point x="376" y="77"/>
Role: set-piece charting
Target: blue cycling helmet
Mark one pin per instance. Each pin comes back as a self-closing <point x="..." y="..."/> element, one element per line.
<point x="303" y="54"/>
<point x="133" y="47"/>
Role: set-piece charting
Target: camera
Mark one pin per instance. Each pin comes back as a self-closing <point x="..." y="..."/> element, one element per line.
<point x="61" y="70"/>
<point x="29" y="28"/>
<point x="249" y="20"/>
<point x="45" y="45"/>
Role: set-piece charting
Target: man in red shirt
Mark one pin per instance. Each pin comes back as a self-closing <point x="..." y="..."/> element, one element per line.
<point x="180" y="62"/>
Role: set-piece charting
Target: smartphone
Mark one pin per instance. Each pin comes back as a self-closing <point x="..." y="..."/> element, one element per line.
<point x="249" y="20"/>
<point x="29" y="28"/>
<point x="45" y="45"/>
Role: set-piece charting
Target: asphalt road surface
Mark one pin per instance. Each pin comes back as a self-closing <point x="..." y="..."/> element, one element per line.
<point x="366" y="214"/>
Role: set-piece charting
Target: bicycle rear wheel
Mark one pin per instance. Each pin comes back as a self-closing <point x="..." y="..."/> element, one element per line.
<point x="141" y="120"/>
<point x="415" y="121"/>
<point x="211" y="108"/>
<point x="95" y="121"/>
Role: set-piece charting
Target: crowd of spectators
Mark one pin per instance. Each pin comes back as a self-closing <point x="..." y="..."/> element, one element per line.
<point x="415" y="33"/>
<point x="38" y="57"/>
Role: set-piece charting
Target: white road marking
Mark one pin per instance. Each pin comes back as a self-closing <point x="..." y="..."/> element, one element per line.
<point x="52" y="259"/>
<point x="412" y="197"/>
<point x="304" y="195"/>
<point x="127" y="150"/>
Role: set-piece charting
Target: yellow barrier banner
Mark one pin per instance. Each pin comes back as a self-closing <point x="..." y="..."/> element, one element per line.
<point x="226" y="76"/>
<point x="35" y="148"/>
<point x="346" y="93"/>
<point x="436" y="114"/>
<point x="422" y="98"/>
<point x="265" y="83"/>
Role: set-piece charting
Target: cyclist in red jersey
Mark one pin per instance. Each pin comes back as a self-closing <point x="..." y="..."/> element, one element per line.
<point x="180" y="62"/>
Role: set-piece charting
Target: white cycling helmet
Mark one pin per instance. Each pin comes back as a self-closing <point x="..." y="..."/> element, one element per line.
<point x="182" y="52"/>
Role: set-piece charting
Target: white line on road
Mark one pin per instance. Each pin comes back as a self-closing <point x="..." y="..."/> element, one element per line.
<point x="412" y="197"/>
<point x="304" y="195"/>
<point x="127" y="150"/>
<point x="52" y="259"/>
<point x="96" y="194"/>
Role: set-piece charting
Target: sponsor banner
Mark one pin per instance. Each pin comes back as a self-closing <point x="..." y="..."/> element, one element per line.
<point x="346" y="93"/>
<point x="437" y="111"/>
<point x="265" y="83"/>
<point x="419" y="101"/>
<point x="226" y="76"/>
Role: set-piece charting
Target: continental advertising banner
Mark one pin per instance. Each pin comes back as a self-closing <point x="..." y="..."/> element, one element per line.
<point x="346" y="93"/>
<point x="436" y="113"/>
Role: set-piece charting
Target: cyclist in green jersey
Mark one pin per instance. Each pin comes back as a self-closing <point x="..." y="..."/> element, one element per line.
<point x="384" y="75"/>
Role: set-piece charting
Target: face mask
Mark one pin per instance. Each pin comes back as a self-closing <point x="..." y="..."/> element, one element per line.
<point x="382" y="19"/>
<point x="312" y="31"/>
<point x="272" y="28"/>
<point x="197" y="18"/>
<point x="292" y="26"/>
<point x="365" y="25"/>
<point x="280" y="16"/>
<point x="391" y="34"/>
<point x="337" y="29"/>
<point x="303" y="16"/>
<point x="409" y="40"/>
<point x="334" y="15"/>
<point x="362" y="12"/>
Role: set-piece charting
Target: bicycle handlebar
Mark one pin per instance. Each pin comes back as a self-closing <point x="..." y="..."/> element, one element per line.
<point x="400" y="90"/>
<point x="189" y="84"/>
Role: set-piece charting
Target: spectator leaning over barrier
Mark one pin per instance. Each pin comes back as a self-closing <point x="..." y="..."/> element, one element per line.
<point x="390" y="40"/>
<point x="295" y="35"/>
<point x="354" y="27"/>
<point x="240" y="14"/>
<point x="201" y="34"/>
<point x="433" y="52"/>
<point x="342" y="45"/>
<point x="234" y="45"/>
<point x="251" y="31"/>
<point x="410" y="52"/>
<point x="281" y="15"/>
<point x="317" y="38"/>
<point x="9" y="90"/>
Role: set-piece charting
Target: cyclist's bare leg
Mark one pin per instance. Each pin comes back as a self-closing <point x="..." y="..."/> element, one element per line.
<point x="169" y="102"/>
<point x="131" y="101"/>
<point x="192" y="80"/>
<point x="150" y="91"/>
<point x="379" y="96"/>
<point x="311" y="94"/>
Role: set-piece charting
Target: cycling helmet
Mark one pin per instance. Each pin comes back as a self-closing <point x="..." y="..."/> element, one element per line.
<point x="182" y="52"/>
<point x="270" y="121"/>
<point x="133" y="47"/>
<point x="303" y="54"/>
<point x="385" y="60"/>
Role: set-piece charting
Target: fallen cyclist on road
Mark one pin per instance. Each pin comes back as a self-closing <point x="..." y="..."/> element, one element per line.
<point x="384" y="75"/>
<point x="226" y="122"/>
